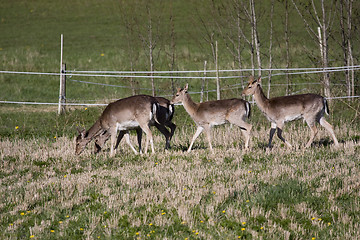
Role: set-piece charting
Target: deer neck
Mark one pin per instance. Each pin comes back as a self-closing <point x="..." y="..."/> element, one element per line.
<point x="94" y="130"/>
<point x="190" y="106"/>
<point x="261" y="100"/>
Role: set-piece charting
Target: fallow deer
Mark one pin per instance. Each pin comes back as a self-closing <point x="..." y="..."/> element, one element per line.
<point x="165" y="114"/>
<point x="211" y="113"/>
<point x="124" y="114"/>
<point x="279" y="110"/>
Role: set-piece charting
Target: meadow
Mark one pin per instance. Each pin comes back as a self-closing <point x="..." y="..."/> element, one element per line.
<point x="47" y="192"/>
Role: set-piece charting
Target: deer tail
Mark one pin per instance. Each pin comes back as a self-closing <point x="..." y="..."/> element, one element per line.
<point x="326" y="106"/>
<point x="154" y="111"/>
<point x="247" y="109"/>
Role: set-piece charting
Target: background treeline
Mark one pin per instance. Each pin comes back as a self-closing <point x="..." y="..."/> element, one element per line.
<point x="178" y="35"/>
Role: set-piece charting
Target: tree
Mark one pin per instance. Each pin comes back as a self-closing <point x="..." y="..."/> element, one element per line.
<point x="322" y="19"/>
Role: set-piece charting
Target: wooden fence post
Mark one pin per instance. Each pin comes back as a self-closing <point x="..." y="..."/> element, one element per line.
<point x="203" y="84"/>
<point x="62" y="91"/>
<point x="217" y="72"/>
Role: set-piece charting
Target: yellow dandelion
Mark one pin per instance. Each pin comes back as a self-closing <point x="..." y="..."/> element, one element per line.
<point x="102" y="54"/>
<point x="137" y="233"/>
<point x="214" y="192"/>
<point x="163" y="213"/>
<point x="223" y="211"/>
<point x="156" y="163"/>
<point x="81" y="229"/>
<point x="54" y="137"/>
<point x="65" y="176"/>
<point x="32" y="236"/>
<point x="313" y="238"/>
<point x="201" y="221"/>
<point x="186" y="238"/>
<point x="262" y="228"/>
<point x="150" y="224"/>
<point x="105" y="212"/>
<point x="319" y="219"/>
<point x="85" y="108"/>
<point x="193" y="231"/>
<point x="247" y="201"/>
<point x="185" y="189"/>
<point x="22" y="214"/>
<point x="313" y="218"/>
<point x="249" y="171"/>
<point x="242" y="229"/>
<point x="183" y="222"/>
<point x="10" y="224"/>
<point x="98" y="236"/>
<point x="60" y="222"/>
<point x="329" y="224"/>
<point x="17" y="127"/>
<point x="196" y="233"/>
<point x="243" y="223"/>
<point x="67" y="215"/>
<point x="104" y="226"/>
<point x="28" y="211"/>
<point x="52" y="230"/>
<point x="239" y="237"/>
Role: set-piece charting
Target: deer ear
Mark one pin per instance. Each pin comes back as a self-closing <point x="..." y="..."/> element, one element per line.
<point x="251" y="79"/>
<point x="186" y="87"/>
<point x="259" y="79"/>
<point x="178" y="89"/>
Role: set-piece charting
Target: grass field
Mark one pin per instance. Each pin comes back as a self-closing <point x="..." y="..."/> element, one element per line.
<point x="49" y="193"/>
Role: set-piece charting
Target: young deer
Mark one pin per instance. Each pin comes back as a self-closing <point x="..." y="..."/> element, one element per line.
<point x="165" y="114"/>
<point x="124" y="114"/>
<point x="208" y="114"/>
<point x="279" y="110"/>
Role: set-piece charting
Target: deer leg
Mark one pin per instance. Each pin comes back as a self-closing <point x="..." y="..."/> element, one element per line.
<point x="329" y="128"/>
<point x="149" y="138"/>
<point x="120" y="136"/>
<point x="246" y="131"/>
<point x="112" y="132"/>
<point x="172" y="126"/>
<point x="208" y="136"/>
<point x="313" y="133"/>
<point x="127" y="138"/>
<point x="279" y="134"/>
<point x="197" y="133"/>
<point x="166" y="133"/>
<point x="139" y="137"/>
<point x="244" y="127"/>
<point x="272" y="132"/>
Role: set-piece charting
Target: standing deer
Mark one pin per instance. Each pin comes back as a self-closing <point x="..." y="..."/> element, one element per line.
<point x="165" y="114"/>
<point x="124" y="114"/>
<point x="209" y="114"/>
<point x="279" y="110"/>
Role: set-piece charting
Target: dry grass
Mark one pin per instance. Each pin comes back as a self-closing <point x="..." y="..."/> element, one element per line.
<point x="47" y="192"/>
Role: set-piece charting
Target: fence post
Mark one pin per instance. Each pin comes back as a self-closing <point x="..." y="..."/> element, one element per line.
<point x="62" y="92"/>
<point x="203" y="84"/>
<point x="217" y="72"/>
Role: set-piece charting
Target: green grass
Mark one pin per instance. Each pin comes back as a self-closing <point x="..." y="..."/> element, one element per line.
<point x="49" y="193"/>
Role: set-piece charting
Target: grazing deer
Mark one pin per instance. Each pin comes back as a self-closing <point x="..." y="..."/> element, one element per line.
<point x="279" y="110"/>
<point x="124" y="114"/>
<point x="208" y="114"/>
<point x="165" y="114"/>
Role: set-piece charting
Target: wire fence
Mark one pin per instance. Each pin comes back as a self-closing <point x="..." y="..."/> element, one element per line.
<point x="188" y="75"/>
